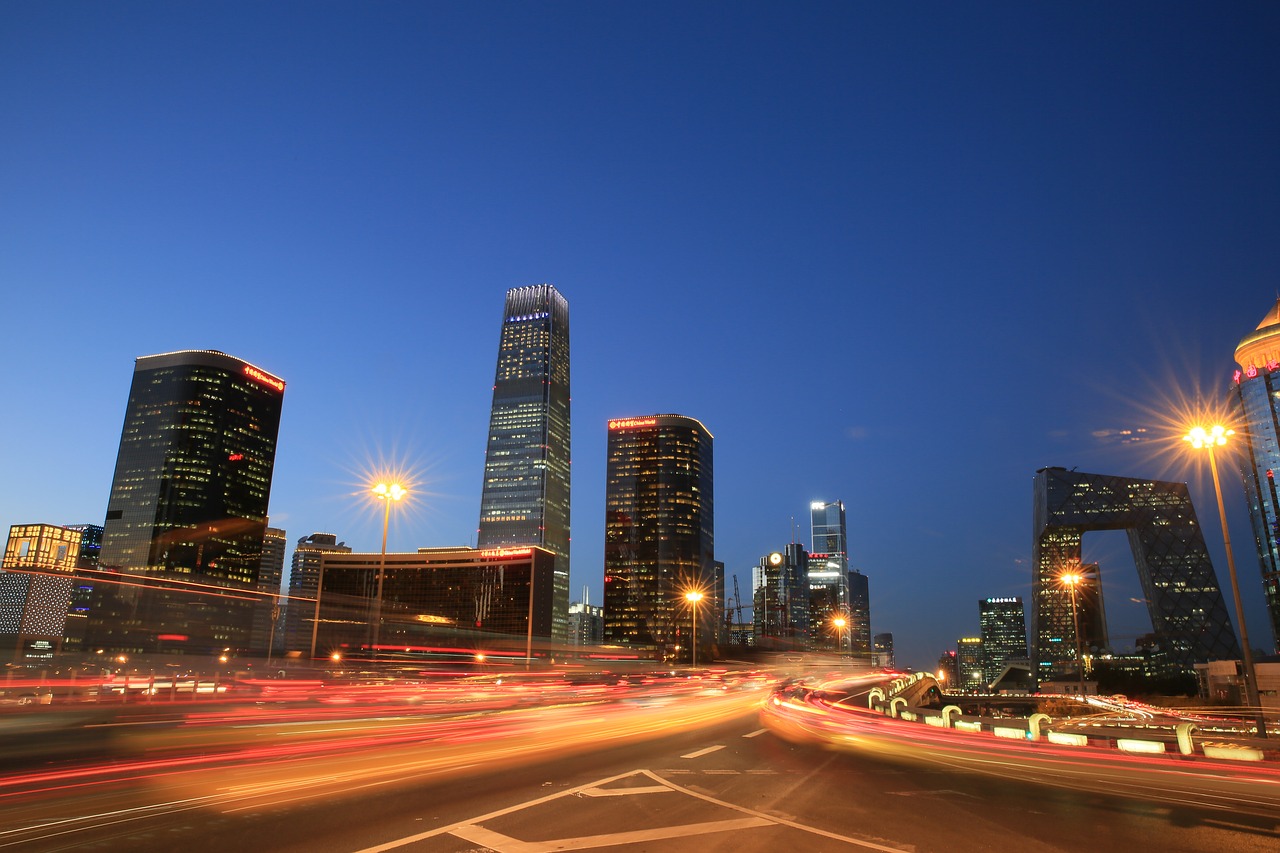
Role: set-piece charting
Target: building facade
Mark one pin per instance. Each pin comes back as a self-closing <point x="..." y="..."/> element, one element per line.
<point x="969" y="676"/>
<point x="1257" y="399"/>
<point x="270" y="576"/>
<point x="1003" y="624"/>
<point x="1181" y="589"/>
<point x="188" y="507"/>
<point x="828" y="576"/>
<point x="883" y="651"/>
<point x="859" y="616"/>
<point x="780" y="594"/>
<point x="82" y="591"/>
<point x="304" y="580"/>
<point x="480" y="601"/>
<point x="660" y="533"/>
<point x="37" y="577"/>
<point x="525" y="499"/>
<point x="586" y="624"/>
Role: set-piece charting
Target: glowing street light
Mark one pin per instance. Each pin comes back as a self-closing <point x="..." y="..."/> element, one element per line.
<point x="1202" y="439"/>
<point x="840" y="623"/>
<point x="388" y="493"/>
<point x="1071" y="580"/>
<point x="693" y="597"/>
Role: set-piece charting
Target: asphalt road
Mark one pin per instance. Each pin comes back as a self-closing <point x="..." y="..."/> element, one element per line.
<point x="703" y="781"/>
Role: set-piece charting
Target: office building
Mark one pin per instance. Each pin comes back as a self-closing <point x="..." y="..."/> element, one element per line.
<point x="660" y="534"/>
<point x="586" y="623"/>
<point x="948" y="672"/>
<point x="270" y="576"/>
<point x="780" y="593"/>
<point x="1182" y="594"/>
<point x="1257" y="399"/>
<point x="37" y="576"/>
<point x="883" y="651"/>
<point x="859" y="616"/>
<point x="969" y="665"/>
<point x="188" y="507"/>
<point x="525" y="500"/>
<point x="304" y="579"/>
<point x="828" y="577"/>
<point x="1004" y="634"/>
<point x="82" y="589"/>
<point x="478" y="601"/>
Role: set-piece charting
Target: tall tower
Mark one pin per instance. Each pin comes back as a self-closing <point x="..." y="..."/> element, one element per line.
<point x="188" y="506"/>
<point x="525" y="500"/>
<point x="270" y="574"/>
<point x="829" y="591"/>
<point x="659" y="531"/>
<point x="1257" y="390"/>
<point x="1004" y="634"/>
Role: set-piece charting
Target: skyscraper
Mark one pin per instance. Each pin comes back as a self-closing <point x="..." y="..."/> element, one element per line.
<point x="1181" y="589"/>
<point x="659" y="531"/>
<point x="1257" y="397"/>
<point x="780" y="594"/>
<point x="188" y="506"/>
<point x="525" y="500"/>
<point x="270" y="574"/>
<point x="304" y="579"/>
<point x="859" y="616"/>
<point x="1004" y="634"/>
<point x="969" y="664"/>
<point x="829" y="593"/>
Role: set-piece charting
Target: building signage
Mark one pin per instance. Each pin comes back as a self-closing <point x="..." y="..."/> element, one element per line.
<point x="507" y="552"/>
<point x="628" y="423"/>
<point x="265" y="378"/>
<point x="1251" y="372"/>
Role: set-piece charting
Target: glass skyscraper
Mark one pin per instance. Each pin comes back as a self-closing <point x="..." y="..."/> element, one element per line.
<point x="829" y="594"/>
<point x="525" y="500"/>
<point x="659" y="532"/>
<point x="1183" y="598"/>
<point x="188" y="506"/>
<point x="1004" y="634"/>
<point x="1257" y="397"/>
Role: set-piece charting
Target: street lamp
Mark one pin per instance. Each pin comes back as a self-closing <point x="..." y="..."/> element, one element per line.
<point x="1072" y="580"/>
<point x="387" y="493"/>
<point x="840" y="624"/>
<point x="1207" y="439"/>
<point x="693" y="597"/>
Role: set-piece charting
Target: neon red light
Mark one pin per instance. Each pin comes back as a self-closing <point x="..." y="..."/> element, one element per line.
<point x="507" y="552"/>
<point x="235" y="457"/>
<point x="627" y="423"/>
<point x="265" y="378"/>
<point x="181" y="638"/>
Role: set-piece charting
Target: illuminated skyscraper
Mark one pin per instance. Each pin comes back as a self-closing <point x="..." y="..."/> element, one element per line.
<point x="525" y="500"/>
<point x="1181" y="589"/>
<point x="969" y="664"/>
<point x="659" y="532"/>
<point x="1257" y="397"/>
<point x="829" y="594"/>
<point x="781" y="597"/>
<point x="188" y="506"/>
<point x="1004" y="634"/>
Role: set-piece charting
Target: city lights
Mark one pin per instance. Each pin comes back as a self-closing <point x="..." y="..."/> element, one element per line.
<point x="388" y="494"/>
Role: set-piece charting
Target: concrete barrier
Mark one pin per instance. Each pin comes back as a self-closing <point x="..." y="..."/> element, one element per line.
<point x="1147" y="747"/>
<point x="967" y="726"/>
<point x="1068" y="739"/>
<point x="1005" y="731"/>
<point x="1231" y="751"/>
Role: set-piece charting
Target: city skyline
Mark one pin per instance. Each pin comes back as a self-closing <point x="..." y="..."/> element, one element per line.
<point x="970" y="245"/>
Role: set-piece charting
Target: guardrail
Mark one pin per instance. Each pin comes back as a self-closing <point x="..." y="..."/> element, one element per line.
<point x="892" y="700"/>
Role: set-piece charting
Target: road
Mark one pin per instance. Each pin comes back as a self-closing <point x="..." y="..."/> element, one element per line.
<point x="698" y="775"/>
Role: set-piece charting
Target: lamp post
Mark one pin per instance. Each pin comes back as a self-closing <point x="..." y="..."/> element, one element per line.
<point x="1206" y="439"/>
<point x="385" y="493"/>
<point x="693" y="597"/>
<point x="840" y="624"/>
<point x="1073" y="580"/>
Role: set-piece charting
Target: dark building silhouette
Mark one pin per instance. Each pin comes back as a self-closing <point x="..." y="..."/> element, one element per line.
<point x="660" y="533"/>
<point x="188" y="507"/>
<point x="525" y="500"/>
<point x="780" y="593"/>
<point x="1183" y="597"/>
<point x="304" y="577"/>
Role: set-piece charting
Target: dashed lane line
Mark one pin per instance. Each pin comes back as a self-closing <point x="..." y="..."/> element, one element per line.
<point x="756" y="733"/>
<point x="703" y="752"/>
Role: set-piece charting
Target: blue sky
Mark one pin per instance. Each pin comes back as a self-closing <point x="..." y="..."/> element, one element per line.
<point x="898" y="254"/>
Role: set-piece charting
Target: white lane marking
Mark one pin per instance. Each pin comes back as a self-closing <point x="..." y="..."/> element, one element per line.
<point x="626" y="792"/>
<point x="505" y="844"/>
<point x="756" y="733"/>
<point x="703" y="752"/>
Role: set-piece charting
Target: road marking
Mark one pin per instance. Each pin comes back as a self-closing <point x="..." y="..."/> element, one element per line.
<point x="626" y="792"/>
<point x="703" y="752"/>
<point x="505" y="844"/>
<point x="756" y="733"/>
